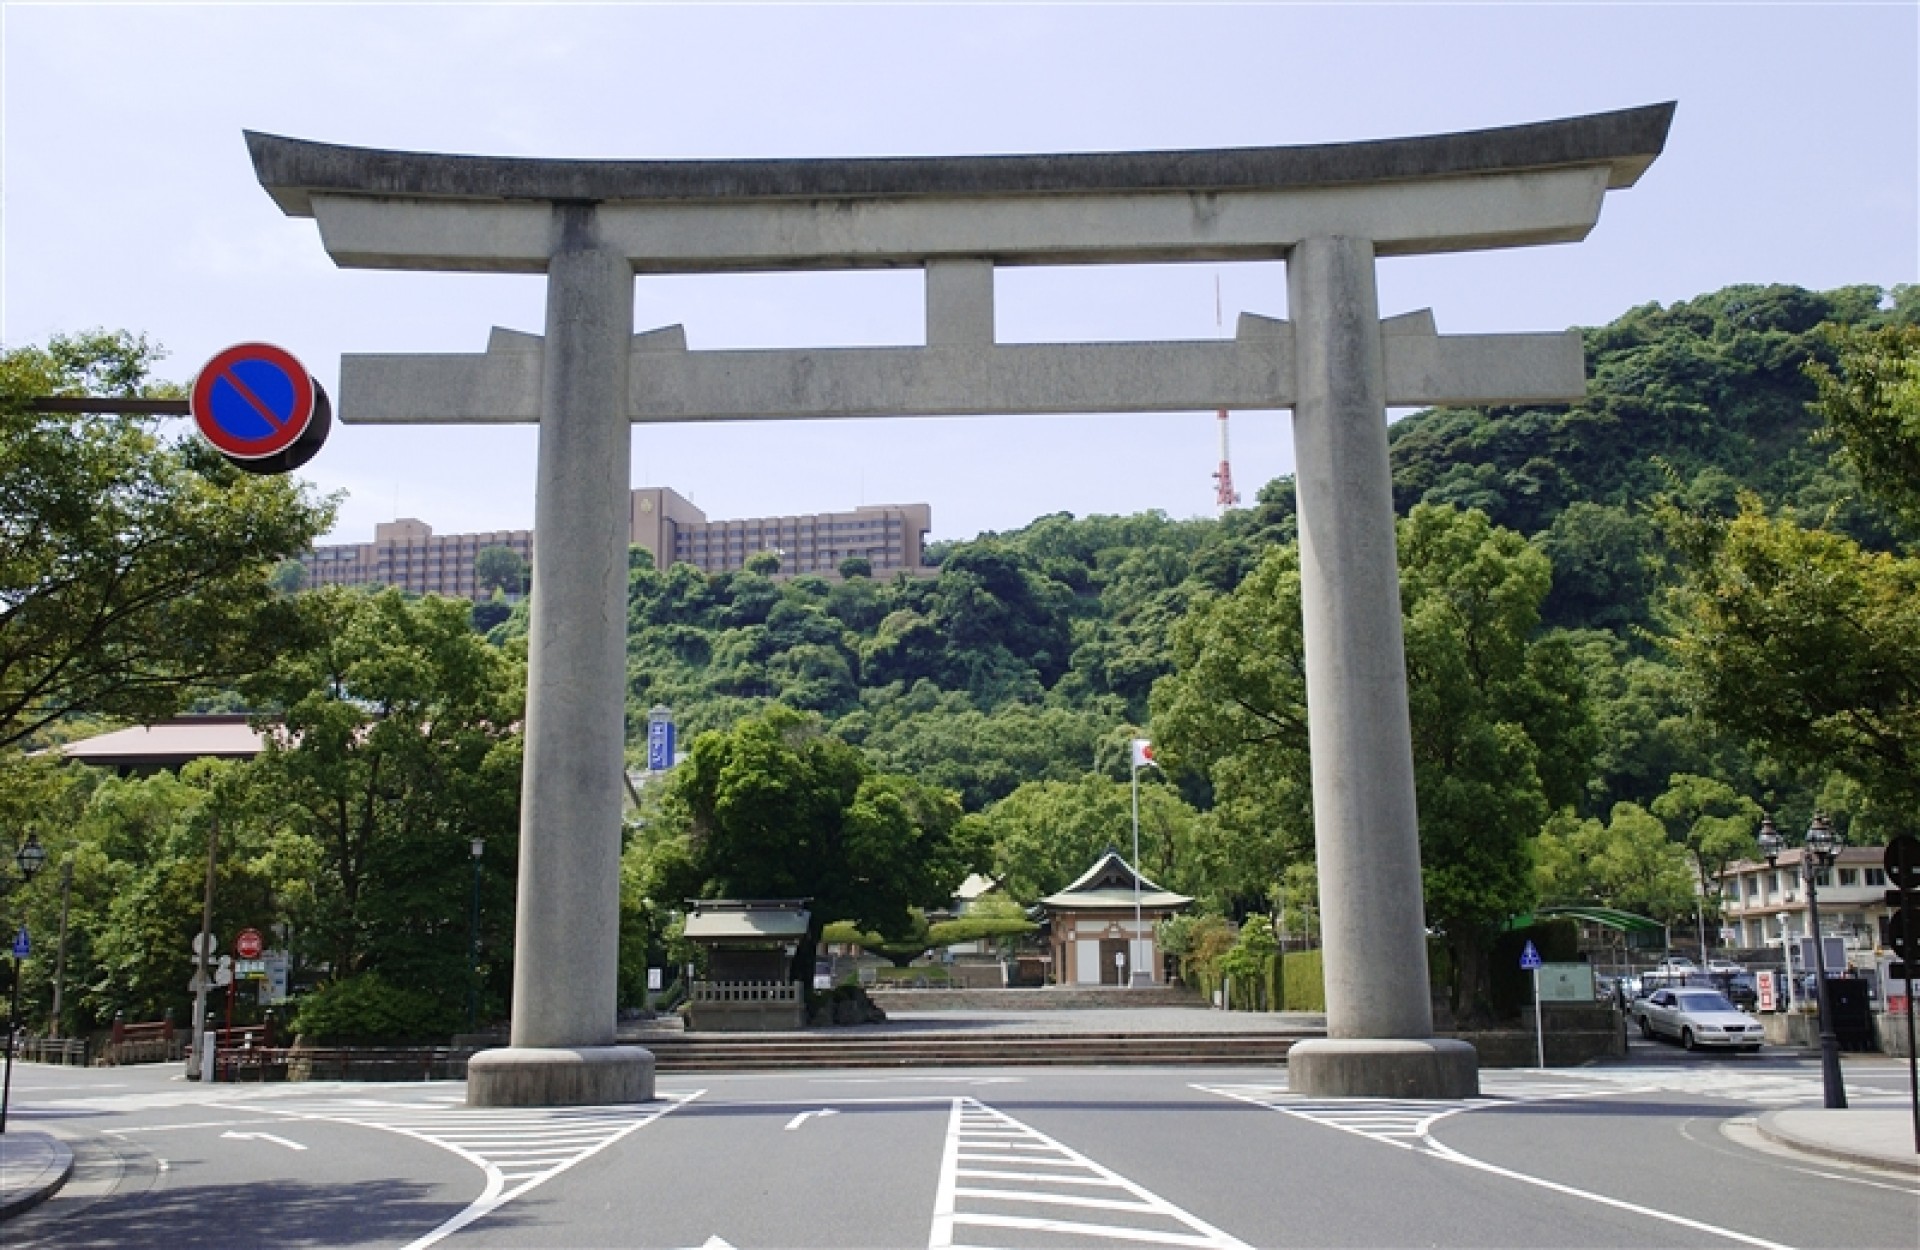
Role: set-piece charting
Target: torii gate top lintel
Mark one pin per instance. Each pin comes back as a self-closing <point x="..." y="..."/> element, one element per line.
<point x="1423" y="194"/>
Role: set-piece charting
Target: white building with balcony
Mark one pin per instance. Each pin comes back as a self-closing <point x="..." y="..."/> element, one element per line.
<point x="1761" y="903"/>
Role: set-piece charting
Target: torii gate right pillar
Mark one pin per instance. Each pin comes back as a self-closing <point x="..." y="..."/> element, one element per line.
<point x="1366" y="830"/>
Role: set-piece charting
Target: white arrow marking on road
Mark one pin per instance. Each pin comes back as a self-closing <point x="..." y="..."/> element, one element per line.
<point x="278" y="1141"/>
<point x="804" y="1116"/>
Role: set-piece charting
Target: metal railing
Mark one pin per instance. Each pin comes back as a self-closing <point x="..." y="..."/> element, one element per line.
<point x="746" y="992"/>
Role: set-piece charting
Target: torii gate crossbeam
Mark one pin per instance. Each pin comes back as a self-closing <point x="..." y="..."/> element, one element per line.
<point x="1329" y="211"/>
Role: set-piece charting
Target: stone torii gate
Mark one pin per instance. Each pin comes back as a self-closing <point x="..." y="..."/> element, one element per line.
<point x="1329" y="211"/>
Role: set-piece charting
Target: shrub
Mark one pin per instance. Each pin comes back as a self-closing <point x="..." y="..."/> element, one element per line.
<point x="366" y="1009"/>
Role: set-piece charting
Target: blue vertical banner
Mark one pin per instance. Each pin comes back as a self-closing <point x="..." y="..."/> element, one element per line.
<point x="659" y="739"/>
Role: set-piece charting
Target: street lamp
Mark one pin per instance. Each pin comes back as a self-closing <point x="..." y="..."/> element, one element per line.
<point x="478" y="847"/>
<point x="28" y="860"/>
<point x="1817" y="853"/>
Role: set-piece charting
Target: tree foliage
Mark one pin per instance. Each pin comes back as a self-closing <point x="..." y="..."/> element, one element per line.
<point x="135" y="567"/>
<point x="399" y="744"/>
<point x="1501" y="728"/>
<point x="1803" y="644"/>
<point x="776" y="808"/>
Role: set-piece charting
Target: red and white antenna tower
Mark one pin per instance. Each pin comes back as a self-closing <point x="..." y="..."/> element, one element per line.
<point x="1224" y="494"/>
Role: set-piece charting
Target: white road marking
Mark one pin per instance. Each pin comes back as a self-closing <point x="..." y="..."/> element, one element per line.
<point x="804" y="1116"/>
<point x="1407" y="1124"/>
<point x="516" y="1148"/>
<point x="171" y="1128"/>
<point x="1044" y="1174"/>
<point x="921" y="1080"/>
<point x="278" y="1141"/>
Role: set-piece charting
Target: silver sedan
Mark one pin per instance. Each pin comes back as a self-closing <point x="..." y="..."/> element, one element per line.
<point x="1698" y="1018"/>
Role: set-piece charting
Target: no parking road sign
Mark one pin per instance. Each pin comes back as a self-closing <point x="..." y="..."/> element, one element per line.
<point x="260" y="408"/>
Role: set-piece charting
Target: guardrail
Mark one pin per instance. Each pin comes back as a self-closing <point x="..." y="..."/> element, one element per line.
<point x="68" y="1051"/>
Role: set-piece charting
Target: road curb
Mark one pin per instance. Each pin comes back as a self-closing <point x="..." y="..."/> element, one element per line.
<point x="1768" y="1127"/>
<point x="51" y="1161"/>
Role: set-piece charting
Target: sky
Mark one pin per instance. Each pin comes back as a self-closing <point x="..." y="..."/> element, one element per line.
<point x="127" y="200"/>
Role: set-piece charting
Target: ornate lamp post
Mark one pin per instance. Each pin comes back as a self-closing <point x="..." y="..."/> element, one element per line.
<point x="478" y="848"/>
<point x="1817" y="853"/>
<point x="28" y="860"/>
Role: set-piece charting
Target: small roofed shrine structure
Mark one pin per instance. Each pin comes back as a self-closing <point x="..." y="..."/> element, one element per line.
<point x="1103" y="924"/>
<point x="749" y="945"/>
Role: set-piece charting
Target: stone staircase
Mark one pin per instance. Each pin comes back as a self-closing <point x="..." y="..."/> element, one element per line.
<point x="852" y="1048"/>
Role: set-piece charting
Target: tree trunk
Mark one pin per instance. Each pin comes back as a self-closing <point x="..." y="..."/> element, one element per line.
<point x="1470" y="1007"/>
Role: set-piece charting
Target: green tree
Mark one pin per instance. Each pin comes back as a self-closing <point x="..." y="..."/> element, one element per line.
<point x="1715" y="824"/>
<point x="775" y="808"/>
<point x="289" y="577"/>
<point x="501" y="570"/>
<point x="856" y="566"/>
<point x="1870" y="401"/>
<point x="1628" y="863"/>
<point x="1801" y="643"/>
<point x="135" y="568"/>
<point x="1046" y="833"/>
<point x="1502" y="733"/>
<point x="399" y="744"/>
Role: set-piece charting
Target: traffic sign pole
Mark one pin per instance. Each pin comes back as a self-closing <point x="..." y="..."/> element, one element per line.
<point x="1530" y="959"/>
<point x="1539" y="1028"/>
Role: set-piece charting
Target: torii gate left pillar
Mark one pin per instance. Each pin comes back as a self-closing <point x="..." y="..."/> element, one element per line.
<point x="1329" y="212"/>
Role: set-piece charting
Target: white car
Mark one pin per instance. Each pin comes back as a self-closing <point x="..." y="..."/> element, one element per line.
<point x="1698" y="1017"/>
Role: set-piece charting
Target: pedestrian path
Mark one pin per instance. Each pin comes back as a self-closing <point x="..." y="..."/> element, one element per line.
<point x="516" y="1148"/>
<point x="1004" y="1183"/>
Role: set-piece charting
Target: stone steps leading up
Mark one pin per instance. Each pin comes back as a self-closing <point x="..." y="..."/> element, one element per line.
<point x="712" y="1052"/>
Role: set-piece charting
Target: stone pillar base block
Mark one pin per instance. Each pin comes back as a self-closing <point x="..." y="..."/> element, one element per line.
<point x="1384" y="1068"/>
<point x="573" y="1076"/>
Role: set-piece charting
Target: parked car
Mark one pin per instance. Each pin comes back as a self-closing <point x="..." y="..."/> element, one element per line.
<point x="1697" y="1018"/>
<point x="1739" y="987"/>
<point x="1675" y="965"/>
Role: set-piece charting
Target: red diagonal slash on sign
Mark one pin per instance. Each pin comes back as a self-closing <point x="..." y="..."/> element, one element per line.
<point x="267" y="414"/>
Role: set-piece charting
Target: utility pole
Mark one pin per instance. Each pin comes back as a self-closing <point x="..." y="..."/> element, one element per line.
<point x="60" y="956"/>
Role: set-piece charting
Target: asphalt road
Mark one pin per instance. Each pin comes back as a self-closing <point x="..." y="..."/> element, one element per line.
<point x="1658" y="1151"/>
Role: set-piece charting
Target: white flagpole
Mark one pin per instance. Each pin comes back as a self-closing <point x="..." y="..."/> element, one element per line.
<point x="1133" y="947"/>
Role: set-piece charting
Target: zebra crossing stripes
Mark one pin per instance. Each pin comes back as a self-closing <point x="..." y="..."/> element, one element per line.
<point x="1397" y="1122"/>
<point x="1000" y="1178"/>
<point x="1405" y="1122"/>
<point x="515" y="1148"/>
<point x="1738" y="1082"/>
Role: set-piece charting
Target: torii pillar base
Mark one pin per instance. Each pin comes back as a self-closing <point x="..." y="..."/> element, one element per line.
<point x="553" y="1076"/>
<point x="1423" y="1067"/>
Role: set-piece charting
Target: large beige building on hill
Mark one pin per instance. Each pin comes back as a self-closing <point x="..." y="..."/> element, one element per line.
<point x="407" y="553"/>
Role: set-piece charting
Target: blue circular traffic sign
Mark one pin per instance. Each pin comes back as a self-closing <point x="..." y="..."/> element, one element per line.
<point x="260" y="408"/>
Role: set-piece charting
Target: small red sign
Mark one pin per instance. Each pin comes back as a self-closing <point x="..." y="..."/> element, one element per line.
<point x="248" y="944"/>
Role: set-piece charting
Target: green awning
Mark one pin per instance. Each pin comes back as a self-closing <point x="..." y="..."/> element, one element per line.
<point x="1607" y="917"/>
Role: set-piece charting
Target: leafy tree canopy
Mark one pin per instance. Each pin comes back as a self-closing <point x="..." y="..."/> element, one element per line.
<point x="776" y="808"/>
<point x="135" y="567"/>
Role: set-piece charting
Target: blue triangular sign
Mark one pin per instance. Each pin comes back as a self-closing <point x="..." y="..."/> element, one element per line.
<point x="1529" y="958"/>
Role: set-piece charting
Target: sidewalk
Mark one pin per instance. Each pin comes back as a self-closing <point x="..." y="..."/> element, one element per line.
<point x="1871" y="1136"/>
<point x="32" y="1166"/>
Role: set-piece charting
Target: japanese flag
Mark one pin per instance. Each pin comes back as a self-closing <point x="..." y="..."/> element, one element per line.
<point x="1143" y="753"/>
